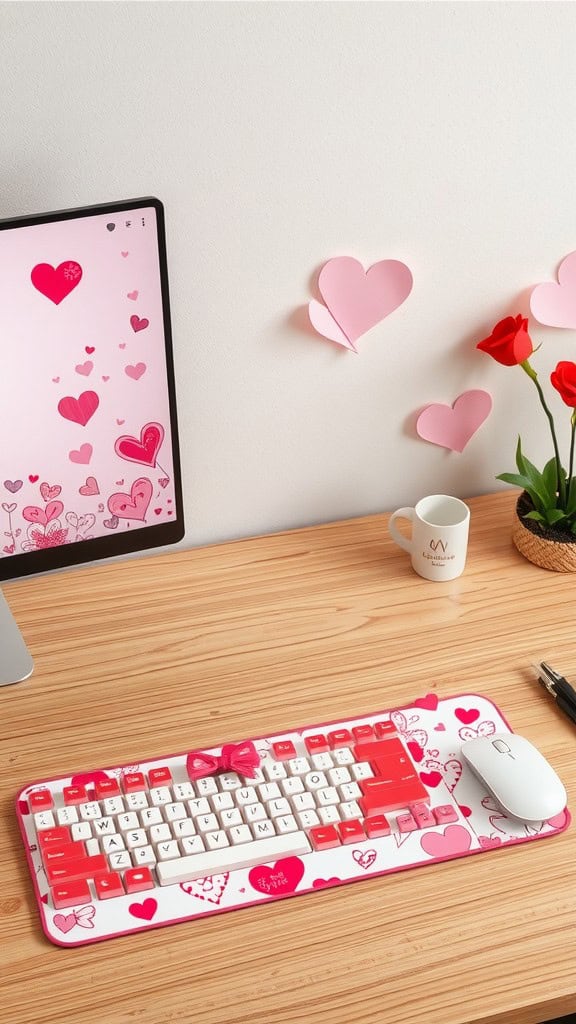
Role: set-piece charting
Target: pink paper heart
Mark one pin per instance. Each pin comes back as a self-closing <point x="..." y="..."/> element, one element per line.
<point x="323" y="322"/>
<point x="467" y="715"/>
<point x="555" y="304"/>
<point x="81" y="456"/>
<point x="453" y="426"/>
<point x="283" y="877"/>
<point x="133" y="505"/>
<point x="365" y="858"/>
<point x="144" y="911"/>
<point x="427" y="703"/>
<point x="454" y="839"/>
<point x="359" y="299"/>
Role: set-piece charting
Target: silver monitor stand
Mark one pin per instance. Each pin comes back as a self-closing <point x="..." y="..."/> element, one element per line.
<point x="15" y="661"/>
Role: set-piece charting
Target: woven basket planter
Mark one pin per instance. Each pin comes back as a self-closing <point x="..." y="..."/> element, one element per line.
<point x="550" y="549"/>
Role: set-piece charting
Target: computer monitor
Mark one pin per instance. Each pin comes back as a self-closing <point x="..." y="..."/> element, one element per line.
<point x="89" y="460"/>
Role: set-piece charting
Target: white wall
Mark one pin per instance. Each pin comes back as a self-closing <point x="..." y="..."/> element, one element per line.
<point x="279" y="135"/>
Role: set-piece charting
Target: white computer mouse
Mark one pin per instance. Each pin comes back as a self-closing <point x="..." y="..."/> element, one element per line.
<point x="517" y="775"/>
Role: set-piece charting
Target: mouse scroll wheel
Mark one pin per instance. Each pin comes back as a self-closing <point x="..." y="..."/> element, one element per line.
<point x="501" y="746"/>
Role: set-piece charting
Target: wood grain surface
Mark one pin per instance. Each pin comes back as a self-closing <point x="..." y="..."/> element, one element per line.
<point x="195" y="648"/>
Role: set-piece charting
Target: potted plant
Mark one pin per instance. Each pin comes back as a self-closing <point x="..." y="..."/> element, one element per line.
<point x="545" y="523"/>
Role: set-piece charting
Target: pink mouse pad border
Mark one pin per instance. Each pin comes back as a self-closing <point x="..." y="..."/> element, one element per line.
<point x="432" y="730"/>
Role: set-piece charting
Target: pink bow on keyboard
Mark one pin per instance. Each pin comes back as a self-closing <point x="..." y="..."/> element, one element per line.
<point x="235" y="757"/>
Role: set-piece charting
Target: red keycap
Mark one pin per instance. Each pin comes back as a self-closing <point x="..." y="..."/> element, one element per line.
<point x="382" y="750"/>
<point x="71" y="870"/>
<point x="74" y="795"/>
<point x="57" y="836"/>
<point x="284" y="750"/>
<point x="159" y="777"/>
<point x="340" y="738"/>
<point x="71" y="894"/>
<point x="324" y="837"/>
<point x="376" y="826"/>
<point x="351" y="831"/>
<point x="41" y="800"/>
<point x="134" y="782"/>
<point x="395" y="769"/>
<point x="138" y="879"/>
<point x="390" y="796"/>
<point x="383" y="729"/>
<point x="363" y="732"/>
<point x="107" y="787"/>
<point x="109" y="885"/>
<point x="406" y="823"/>
<point x="444" y="814"/>
<point x="316" y="744"/>
<point x="56" y="853"/>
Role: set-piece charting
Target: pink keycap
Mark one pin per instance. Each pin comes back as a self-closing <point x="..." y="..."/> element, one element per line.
<point x="444" y="814"/>
<point x="134" y="782"/>
<point x="159" y="777"/>
<point x="316" y="744"/>
<point x="71" y="894"/>
<point x="351" y="831"/>
<point x="284" y="750"/>
<point x="41" y="800"/>
<point x="424" y="818"/>
<point x="324" y="837"/>
<point x="108" y="886"/>
<point x="138" y="879"/>
<point x="406" y="823"/>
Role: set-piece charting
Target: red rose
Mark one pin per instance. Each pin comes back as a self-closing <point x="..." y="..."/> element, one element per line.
<point x="509" y="343"/>
<point x="563" y="378"/>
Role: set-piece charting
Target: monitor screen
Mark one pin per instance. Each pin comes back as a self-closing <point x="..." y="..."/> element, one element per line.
<point x="89" y="463"/>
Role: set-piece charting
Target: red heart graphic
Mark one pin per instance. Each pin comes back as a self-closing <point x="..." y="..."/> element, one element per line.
<point x="133" y="505"/>
<point x="428" y="703"/>
<point x="146" y="449"/>
<point x="416" y="751"/>
<point x="467" y="716"/>
<point x="320" y="883"/>
<point x="33" y="478"/>
<point x="145" y="911"/>
<point x="80" y="409"/>
<point x="283" y="877"/>
<point x="90" y="349"/>
<point x="56" y="282"/>
<point x="137" y="324"/>
<point x="466" y="811"/>
<point x="431" y="779"/>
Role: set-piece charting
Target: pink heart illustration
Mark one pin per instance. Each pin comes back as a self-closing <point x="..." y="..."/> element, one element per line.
<point x="13" y="485"/>
<point x="488" y="842"/>
<point x="164" y="481"/>
<point x="48" y="493"/>
<point x="431" y="779"/>
<point x="90" y="487"/>
<point x="467" y="715"/>
<point x="555" y="304"/>
<point x="416" y="751"/>
<point x="440" y="727"/>
<point x="133" y="505"/>
<point x="211" y="888"/>
<point x="105" y="378"/>
<point x="364" y="858"/>
<point x="453" y="426"/>
<point x="8" y="549"/>
<point x="135" y="372"/>
<point x="321" y="883"/>
<point x="283" y="877"/>
<point x="323" y="322"/>
<point x="466" y="811"/>
<point x="144" y="450"/>
<point x="81" y="456"/>
<point x="124" y="254"/>
<point x="359" y="299"/>
<point x="85" y="368"/>
<point x="56" y="380"/>
<point x="9" y="508"/>
<point x="132" y="295"/>
<point x="138" y="324"/>
<point x="64" y="922"/>
<point x="80" y="409"/>
<point x="453" y="840"/>
<point x="145" y="910"/>
<point x="56" y="282"/>
<point x="33" y="514"/>
<point x="427" y="703"/>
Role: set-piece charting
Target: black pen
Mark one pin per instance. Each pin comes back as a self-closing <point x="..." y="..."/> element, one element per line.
<point x="559" y="688"/>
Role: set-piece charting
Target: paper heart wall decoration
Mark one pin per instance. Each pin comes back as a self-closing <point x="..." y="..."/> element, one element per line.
<point x="356" y="300"/>
<point x="453" y="426"/>
<point x="555" y="304"/>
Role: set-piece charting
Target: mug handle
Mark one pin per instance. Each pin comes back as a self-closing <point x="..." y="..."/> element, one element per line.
<point x="401" y="513"/>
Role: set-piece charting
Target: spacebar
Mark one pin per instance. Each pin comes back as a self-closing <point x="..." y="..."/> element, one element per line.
<point x="199" y="865"/>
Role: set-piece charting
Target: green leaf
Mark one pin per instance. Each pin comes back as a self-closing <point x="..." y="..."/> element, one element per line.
<point x="520" y="457"/>
<point x="571" y="506"/>
<point x="538" y="483"/>
<point x="550" y="478"/>
<point x="517" y="480"/>
<point x="535" y="515"/>
<point x="554" y="515"/>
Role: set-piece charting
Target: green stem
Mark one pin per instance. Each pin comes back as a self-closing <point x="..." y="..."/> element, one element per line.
<point x="571" y="464"/>
<point x="560" y="480"/>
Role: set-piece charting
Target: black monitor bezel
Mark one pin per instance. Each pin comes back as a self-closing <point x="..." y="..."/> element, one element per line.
<point x="134" y="540"/>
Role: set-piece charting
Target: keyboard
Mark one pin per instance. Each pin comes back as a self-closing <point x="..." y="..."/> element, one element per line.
<point x="121" y="849"/>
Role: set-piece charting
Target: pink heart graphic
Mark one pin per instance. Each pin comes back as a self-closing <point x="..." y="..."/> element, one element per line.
<point x="431" y="779"/>
<point x="124" y="254"/>
<point x="364" y="858"/>
<point x="211" y="888"/>
<point x="453" y="840"/>
<point x="64" y="922"/>
<point x="164" y="481"/>
<point x="8" y="549"/>
<point x="146" y="449"/>
<point x="555" y="304"/>
<point x="138" y="324"/>
<point x="85" y="368"/>
<point x="9" y="508"/>
<point x="427" y="703"/>
<point x="145" y="910"/>
<point x="488" y="842"/>
<point x="122" y="345"/>
<point x="440" y="727"/>
<point x="33" y="478"/>
<point x="89" y="349"/>
<point x="133" y="505"/>
<point x="416" y="751"/>
<point x="321" y="883"/>
<point x="135" y="372"/>
<point x="105" y="378"/>
<point x="33" y="514"/>
<point x="466" y="811"/>
<point x="56" y="282"/>
<point x="453" y="426"/>
<point x="13" y="485"/>
<point x="132" y="295"/>
<point x="359" y="299"/>
<point x="283" y="877"/>
<point x="323" y="322"/>
<point x="90" y="487"/>
<point x="56" y="380"/>
<point x="467" y="716"/>
<point x="48" y="493"/>
<point x="81" y="409"/>
<point x="81" y="456"/>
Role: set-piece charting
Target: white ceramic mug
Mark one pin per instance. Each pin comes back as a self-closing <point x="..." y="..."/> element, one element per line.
<point x="439" y="540"/>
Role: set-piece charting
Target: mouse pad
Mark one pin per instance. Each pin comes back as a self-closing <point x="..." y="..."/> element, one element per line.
<point x="431" y="729"/>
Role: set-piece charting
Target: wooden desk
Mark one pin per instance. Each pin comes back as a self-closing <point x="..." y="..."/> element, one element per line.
<point x="194" y="648"/>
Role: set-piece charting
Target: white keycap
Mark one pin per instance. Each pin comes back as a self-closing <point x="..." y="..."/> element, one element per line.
<point x="136" y="801"/>
<point x="326" y="797"/>
<point x="160" y="795"/>
<point x="274" y="770"/>
<point x="298" y="766"/>
<point x="197" y="807"/>
<point x="269" y="791"/>
<point x="167" y="851"/>
<point x="307" y="819"/>
<point x="136" y="838"/>
<point x="112" y="844"/>
<point x="229" y="780"/>
<point x="256" y="778"/>
<point x="254" y="812"/>
<point x="183" y="791"/>
<point x="128" y="821"/>
<point x="322" y="761"/>
<point x="328" y="815"/>
<point x="343" y="756"/>
<point x="338" y="776"/>
<point x="261" y="829"/>
<point x="230" y="818"/>
<point x="291" y="786"/>
<point x="119" y="861"/>
<point x="216" y="840"/>
<point x="183" y="827"/>
<point x="207" y="786"/>
<point x="303" y="802"/>
<point x="173" y="812"/>
<point x="90" y="810"/>
<point x="350" y="791"/>
<point x="240" y="834"/>
<point x="286" y="824"/>
<point x="82" y="830"/>
<point x="315" y="780"/>
<point x="207" y="823"/>
<point x="192" y="844"/>
<point x="143" y="855"/>
<point x="276" y="808"/>
<point x="245" y="795"/>
<point x="222" y="801"/>
<point x="151" y="816"/>
<point x="102" y="826"/>
<point x="160" y="833"/>
<point x="92" y="847"/>
<point x="66" y="816"/>
<point x="243" y="855"/>
<point x="114" y="805"/>
<point x="361" y="770"/>
<point x="350" y="811"/>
